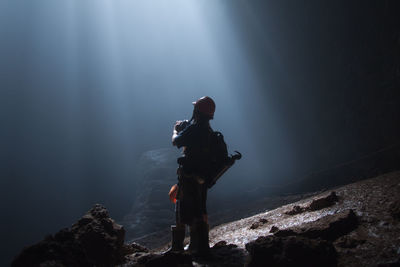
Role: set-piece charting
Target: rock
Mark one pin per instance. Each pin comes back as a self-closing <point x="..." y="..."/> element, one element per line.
<point x="60" y="250"/>
<point x="290" y="251"/>
<point x="100" y="237"/>
<point x="95" y="240"/>
<point x="329" y="227"/>
<point x="332" y="226"/>
<point x="219" y="244"/>
<point x="324" y="202"/>
<point x="254" y="226"/>
<point x="274" y="229"/>
<point x="172" y="259"/>
<point x="316" y="204"/>
<point x="295" y="210"/>
<point x="348" y="242"/>
<point x="395" y="209"/>
<point x="286" y="233"/>
<point x="260" y="222"/>
<point x="390" y="264"/>
<point x="133" y="248"/>
<point x="223" y="254"/>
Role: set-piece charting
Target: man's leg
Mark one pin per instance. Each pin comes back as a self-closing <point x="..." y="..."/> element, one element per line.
<point x="199" y="239"/>
<point x="178" y="236"/>
<point x="177" y="231"/>
<point x="199" y="243"/>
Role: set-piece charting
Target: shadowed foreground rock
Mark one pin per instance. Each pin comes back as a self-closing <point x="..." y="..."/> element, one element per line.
<point x="95" y="240"/>
<point x="290" y="251"/>
<point x="172" y="259"/>
<point x="220" y="255"/>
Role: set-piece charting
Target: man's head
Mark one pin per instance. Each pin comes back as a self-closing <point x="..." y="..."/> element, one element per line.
<point x="204" y="107"/>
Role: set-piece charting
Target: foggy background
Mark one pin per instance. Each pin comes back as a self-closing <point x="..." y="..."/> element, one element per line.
<point x="87" y="87"/>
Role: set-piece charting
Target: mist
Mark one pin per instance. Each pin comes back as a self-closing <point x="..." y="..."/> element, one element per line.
<point x="87" y="87"/>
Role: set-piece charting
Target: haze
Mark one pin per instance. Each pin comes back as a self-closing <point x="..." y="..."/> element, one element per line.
<point x="88" y="86"/>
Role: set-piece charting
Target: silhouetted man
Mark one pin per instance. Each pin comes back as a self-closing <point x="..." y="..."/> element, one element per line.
<point x="190" y="194"/>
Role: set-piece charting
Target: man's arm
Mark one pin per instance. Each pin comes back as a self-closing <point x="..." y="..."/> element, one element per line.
<point x="178" y="128"/>
<point x="174" y="135"/>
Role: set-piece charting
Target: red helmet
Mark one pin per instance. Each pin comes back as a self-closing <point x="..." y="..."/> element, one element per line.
<point x="205" y="105"/>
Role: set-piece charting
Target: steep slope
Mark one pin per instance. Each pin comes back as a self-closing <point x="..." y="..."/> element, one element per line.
<point x="353" y="225"/>
<point x="375" y="239"/>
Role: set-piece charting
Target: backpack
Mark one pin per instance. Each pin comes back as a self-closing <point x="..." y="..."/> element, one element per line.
<point x="218" y="156"/>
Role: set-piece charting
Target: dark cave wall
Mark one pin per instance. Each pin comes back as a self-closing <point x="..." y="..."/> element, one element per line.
<point x="333" y="71"/>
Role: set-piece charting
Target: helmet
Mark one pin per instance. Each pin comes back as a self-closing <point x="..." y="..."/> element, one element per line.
<point x="205" y="105"/>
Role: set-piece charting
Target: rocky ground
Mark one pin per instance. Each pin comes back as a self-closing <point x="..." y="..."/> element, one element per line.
<point x="361" y="222"/>
<point x="354" y="225"/>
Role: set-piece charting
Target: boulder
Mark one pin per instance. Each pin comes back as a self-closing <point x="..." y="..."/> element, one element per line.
<point x="296" y="210"/>
<point x="134" y="248"/>
<point x="274" y="229"/>
<point x="95" y="240"/>
<point x="290" y="251"/>
<point x="259" y="223"/>
<point x="316" y="204"/>
<point x="62" y="249"/>
<point x="332" y="226"/>
<point x="323" y="202"/>
<point x="329" y="227"/>
<point x="100" y="237"/>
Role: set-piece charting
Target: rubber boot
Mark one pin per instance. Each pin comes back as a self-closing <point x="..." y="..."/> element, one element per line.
<point x="204" y="247"/>
<point x="194" y="238"/>
<point x="178" y="235"/>
<point x="199" y="243"/>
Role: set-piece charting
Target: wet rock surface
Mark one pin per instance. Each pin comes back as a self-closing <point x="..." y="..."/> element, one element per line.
<point x="362" y="225"/>
<point x="95" y="240"/>
<point x="290" y="251"/>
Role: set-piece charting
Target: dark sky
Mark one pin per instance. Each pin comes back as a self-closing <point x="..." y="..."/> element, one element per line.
<point x="86" y="87"/>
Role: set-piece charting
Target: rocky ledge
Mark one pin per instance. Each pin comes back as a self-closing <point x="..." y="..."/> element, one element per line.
<point x="354" y="225"/>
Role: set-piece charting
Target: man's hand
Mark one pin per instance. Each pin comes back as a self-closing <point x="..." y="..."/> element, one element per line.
<point x="180" y="125"/>
<point x="173" y="192"/>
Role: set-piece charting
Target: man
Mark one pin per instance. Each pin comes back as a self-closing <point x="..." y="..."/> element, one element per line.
<point x="190" y="194"/>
